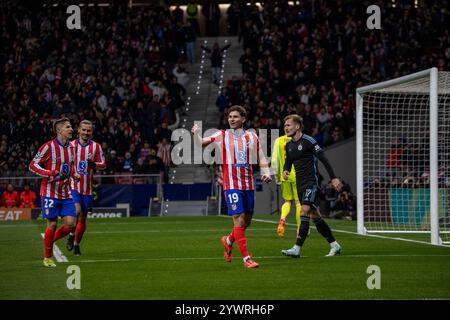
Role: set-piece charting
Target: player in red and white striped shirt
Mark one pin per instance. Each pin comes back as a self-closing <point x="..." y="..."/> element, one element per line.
<point x="88" y="156"/>
<point x="54" y="162"/>
<point x="239" y="150"/>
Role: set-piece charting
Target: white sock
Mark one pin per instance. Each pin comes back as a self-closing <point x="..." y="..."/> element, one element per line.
<point x="246" y="258"/>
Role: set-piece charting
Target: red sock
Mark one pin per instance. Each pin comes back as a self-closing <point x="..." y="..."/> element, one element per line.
<point x="81" y="228"/>
<point x="231" y="236"/>
<point x="48" y="243"/>
<point x="239" y="235"/>
<point x="61" y="232"/>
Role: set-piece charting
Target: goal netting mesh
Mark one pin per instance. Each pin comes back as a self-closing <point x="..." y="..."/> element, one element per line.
<point x="396" y="157"/>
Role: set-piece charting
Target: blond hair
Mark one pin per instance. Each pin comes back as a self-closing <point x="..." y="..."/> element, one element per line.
<point x="296" y="118"/>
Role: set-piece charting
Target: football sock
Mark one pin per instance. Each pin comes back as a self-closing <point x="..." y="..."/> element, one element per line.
<point x="48" y="243"/>
<point x="285" y="209"/>
<point x="81" y="228"/>
<point x="61" y="232"/>
<point x="298" y="208"/>
<point x="230" y="238"/>
<point x="239" y="235"/>
<point x="303" y="233"/>
<point x="324" y="230"/>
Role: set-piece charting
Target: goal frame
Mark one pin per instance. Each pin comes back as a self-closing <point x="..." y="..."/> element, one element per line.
<point x="432" y="73"/>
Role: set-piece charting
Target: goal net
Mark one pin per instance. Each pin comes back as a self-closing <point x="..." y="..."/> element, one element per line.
<point x="403" y="156"/>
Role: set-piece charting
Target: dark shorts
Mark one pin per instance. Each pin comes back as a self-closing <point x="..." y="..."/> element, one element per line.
<point x="309" y="195"/>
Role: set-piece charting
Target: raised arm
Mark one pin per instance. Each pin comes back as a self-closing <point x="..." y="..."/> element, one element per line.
<point x="198" y="140"/>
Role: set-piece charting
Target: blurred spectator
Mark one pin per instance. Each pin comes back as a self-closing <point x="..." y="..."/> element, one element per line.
<point x="212" y="14"/>
<point x="223" y="101"/>
<point x="190" y="38"/>
<point x="28" y="197"/>
<point x="216" y="60"/>
<point x="10" y="197"/>
<point x="344" y="207"/>
<point x="156" y="166"/>
<point x="127" y="163"/>
<point x="113" y="162"/>
<point x="164" y="149"/>
<point x="394" y="154"/>
<point x="141" y="167"/>
<point x="181" y="75"/>
<point x="178" y="14"/>
<point x="233" y="18"/>
<point x="145" y="151"/>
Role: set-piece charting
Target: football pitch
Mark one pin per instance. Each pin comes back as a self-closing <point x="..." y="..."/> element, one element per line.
<point x="182" y="258"/>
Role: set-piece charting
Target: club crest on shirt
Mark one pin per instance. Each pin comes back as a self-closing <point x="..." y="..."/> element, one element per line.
<point x="300" y="147"/>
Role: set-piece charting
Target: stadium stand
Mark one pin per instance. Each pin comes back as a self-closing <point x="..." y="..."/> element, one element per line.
<point x="119" y="76"/>
<point x="309" y="58"/>
<point x="306" y="58"/>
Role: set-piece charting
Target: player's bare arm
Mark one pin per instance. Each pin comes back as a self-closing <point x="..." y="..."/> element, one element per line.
<point x="264" y="166"/>
<point x="198" y="140"/>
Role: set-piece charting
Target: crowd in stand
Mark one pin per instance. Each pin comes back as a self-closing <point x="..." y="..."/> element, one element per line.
<point x="310" y="58"/>
<point x="120" y="71"/>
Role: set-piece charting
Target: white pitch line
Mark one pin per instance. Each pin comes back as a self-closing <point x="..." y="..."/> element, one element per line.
<point x="263" y="257"/>
<point x="97" y="222"/>
<point x="59" y="256"/>
<point x="170" y="231"/>
<point x="366" y="235"/>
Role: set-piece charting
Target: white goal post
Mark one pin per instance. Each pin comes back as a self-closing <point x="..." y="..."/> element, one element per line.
<point x="403" y="155"/>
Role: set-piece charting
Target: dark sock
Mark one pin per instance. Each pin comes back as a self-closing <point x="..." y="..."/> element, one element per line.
<point x="324" y="230"/>
<point x="303" y="233"/>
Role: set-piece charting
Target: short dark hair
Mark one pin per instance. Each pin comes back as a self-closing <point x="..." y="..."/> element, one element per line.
<point x="296" y="118"/>
<point x="239" y="109"/>
<point x="57" y="123"/>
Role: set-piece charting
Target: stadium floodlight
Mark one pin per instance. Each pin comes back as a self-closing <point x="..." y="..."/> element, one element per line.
<point x="403" y="155"/>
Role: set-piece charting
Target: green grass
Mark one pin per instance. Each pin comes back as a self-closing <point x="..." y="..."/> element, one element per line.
<point x="182" y="258"/>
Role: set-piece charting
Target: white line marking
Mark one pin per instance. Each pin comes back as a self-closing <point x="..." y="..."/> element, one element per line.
<point x="174" y="230"/>
<point x="367" y="235"/>
<point x="97" y="222"/>
<point x="263" y="257"/>
<point x="59" y="256"/>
